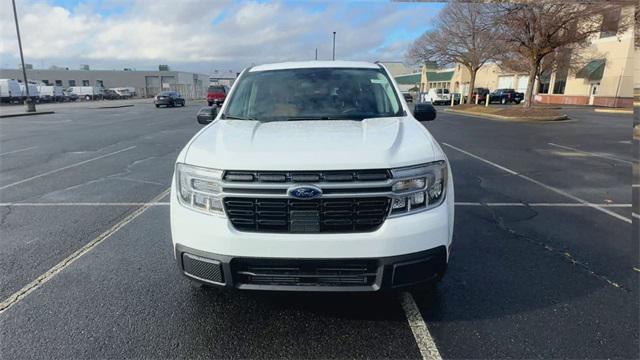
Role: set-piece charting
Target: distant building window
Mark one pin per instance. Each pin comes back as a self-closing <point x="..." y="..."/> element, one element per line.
<point x="99" y="83"/>
<point x="72" y="83"/>
<point x="59" y="83"/>
<point x="563" y="59"/>
<point x="610" y="23"/>
<point x="46" y="82"/>
<point x="85" y="83"/>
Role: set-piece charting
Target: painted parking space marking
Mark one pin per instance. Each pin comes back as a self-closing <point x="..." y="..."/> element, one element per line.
<point x="424" y="340"/>
<point x="600" y="155"/>
<point x="66" y="167"/>
<point x="32" y="286"/>
<point x="17" y="151"/>
<point x="548" y="187"/>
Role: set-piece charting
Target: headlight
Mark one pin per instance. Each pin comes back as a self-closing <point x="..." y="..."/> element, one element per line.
<point x="199" y="188"/>
<point x="419" y="187"/>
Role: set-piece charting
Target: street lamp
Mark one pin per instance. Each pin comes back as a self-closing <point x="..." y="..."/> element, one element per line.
<point x="31" y="106"/>
<point x="334" y="45"/>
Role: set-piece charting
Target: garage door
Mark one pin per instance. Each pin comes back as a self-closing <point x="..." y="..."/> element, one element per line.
<point x="505" y="82"/>
<point x="522" y="83"/>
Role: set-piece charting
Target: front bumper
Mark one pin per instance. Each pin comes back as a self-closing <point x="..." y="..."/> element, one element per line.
<point x="332" y="275"/>
<point x="163" y="101"/>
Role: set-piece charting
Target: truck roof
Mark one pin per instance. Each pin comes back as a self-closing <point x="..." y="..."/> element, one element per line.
<point x="315" y="64"/>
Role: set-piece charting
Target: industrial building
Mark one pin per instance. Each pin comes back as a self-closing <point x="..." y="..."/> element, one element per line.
<point x="146" y="83"/>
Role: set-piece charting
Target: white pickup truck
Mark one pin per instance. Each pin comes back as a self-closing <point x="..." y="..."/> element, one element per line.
<point x="313" y="176"/>
<point x="437" y="96"/>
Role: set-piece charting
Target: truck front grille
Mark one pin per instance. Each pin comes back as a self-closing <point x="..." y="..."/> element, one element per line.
<point x="304" y="272"/>
<point x="306" y="176"/>
<point x="330" y="215"/>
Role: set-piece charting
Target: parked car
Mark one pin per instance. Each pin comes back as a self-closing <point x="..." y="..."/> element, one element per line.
<point x="437" y="96"/>
<point x="10" y="91"/>
<point x="110" y="95"/>
<point x="69" y="96"/>
<point x="87" y="92"/>
<point x="216" y="94"/>
<point x="313" y="176"/>
<point x="124" y="92"/>
<point x="482" y="95"/>
<point x="506" y="96"/>
<point x="408" y="97"/>
<point x="169" y="98"/>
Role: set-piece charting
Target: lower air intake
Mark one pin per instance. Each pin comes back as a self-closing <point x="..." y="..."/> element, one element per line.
<point x="202" y="268"/>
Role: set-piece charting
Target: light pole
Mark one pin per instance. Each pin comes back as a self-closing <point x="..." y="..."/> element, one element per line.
<point x="31" y="106"/>
<point x="334" y="45"/>
<point x="316" y="53"/>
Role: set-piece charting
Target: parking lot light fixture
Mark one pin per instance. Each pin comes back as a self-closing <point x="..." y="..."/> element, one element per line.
<point x="30" y="105"/>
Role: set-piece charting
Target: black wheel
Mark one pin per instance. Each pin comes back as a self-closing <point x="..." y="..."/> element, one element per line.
<point x="87" y="97"/>
<point x="503" y="101"/>
<point x="210" y="103"/>
<point x="157" y="105"/>
<point x="183" y="103"/>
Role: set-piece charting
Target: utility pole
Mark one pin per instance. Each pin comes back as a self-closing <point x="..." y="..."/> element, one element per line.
<point x="30" y="105"/>
<point x="334" y="45"/>
<point x="316" y="53"/>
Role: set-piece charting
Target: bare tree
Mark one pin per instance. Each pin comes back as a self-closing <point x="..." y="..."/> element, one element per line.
<point x="463" y="35"/>
<point x="535" y="29"/>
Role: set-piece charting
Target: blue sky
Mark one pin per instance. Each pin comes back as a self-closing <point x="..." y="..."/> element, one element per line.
<point x="201" y="35"/>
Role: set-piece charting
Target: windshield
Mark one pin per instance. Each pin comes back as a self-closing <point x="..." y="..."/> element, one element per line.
<point x="216" y="88"/>
<point x="313" y="94"/>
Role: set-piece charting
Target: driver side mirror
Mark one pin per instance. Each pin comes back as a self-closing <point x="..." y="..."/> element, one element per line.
<point x="424" y="112"/>
<point x="207" y="114"/>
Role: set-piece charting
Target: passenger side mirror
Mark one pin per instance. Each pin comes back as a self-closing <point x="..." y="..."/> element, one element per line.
<point x="424" y="112"/>
<point x="207" y="114"/>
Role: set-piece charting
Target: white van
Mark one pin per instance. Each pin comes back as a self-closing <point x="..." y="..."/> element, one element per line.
<point x="33" y="92"/>
<point x="50" y="93"/>
<point x="86" y="92"/>
<point x="124" y="92"/>
<point x="10" y="91"/>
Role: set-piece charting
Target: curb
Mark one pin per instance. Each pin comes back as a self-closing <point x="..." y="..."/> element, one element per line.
<point x="26" y="114"/>
<point x="114" y="106"/>
<point x="614" y="111"/>
<point x="510" y="118"/>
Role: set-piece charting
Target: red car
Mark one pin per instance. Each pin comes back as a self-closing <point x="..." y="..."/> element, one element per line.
<point x="216" y="94"/>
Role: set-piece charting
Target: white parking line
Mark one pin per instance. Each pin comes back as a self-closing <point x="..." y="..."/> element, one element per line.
<point x="86" y="204"/>
<point x="635" y="185"/>
<point x="490" y="204"/>
<point x="66" y="167"/>
<point x="637" y="216"/>
<point x="548" y="187"/>
<point x="29" y="288"/>
<point x="17" y="151"/>
<point x="604" y="156"/>
<point x="426" y="345"/>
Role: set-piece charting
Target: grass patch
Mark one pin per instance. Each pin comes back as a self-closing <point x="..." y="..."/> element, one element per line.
<point x="512" y="111"/>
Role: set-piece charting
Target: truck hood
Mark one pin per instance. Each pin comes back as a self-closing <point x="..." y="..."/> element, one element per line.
<point x="312" y="145"/>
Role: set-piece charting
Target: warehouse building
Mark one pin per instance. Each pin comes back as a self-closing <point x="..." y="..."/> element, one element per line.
<point x="605" y="79"/>
<point x="146" y="83"/>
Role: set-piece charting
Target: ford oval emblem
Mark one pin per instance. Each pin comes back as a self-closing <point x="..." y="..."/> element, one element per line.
<point x="305" y="192"/>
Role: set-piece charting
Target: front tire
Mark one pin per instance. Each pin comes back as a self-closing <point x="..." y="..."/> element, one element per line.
<point x="157" y="105"/>
<point x="210" y="103"/>
<point x="87" y="97"/>
<point x="503" y="101"/>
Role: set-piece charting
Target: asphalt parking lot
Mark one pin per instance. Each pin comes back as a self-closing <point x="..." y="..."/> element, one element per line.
<point x="543" y="264"/>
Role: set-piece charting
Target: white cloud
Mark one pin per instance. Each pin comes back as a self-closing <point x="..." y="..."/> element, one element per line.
<point x="185" y="35"/>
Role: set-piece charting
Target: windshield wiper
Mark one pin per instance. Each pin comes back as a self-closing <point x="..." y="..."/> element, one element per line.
<point x="303" y="118"/>
<point x="232" y="117"/>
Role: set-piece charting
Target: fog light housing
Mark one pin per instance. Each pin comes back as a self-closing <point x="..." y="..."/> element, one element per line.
<point x="417" y="199"/>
